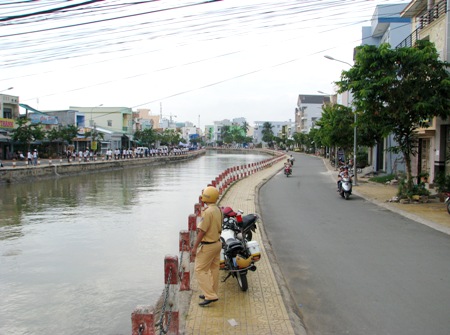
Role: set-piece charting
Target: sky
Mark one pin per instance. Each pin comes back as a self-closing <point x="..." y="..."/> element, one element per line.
<point x="196" y="61"/>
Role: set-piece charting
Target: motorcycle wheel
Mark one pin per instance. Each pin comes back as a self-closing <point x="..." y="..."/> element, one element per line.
<point x="242" y="281"/>
<point x="346" y="195"/>
<point x="249" y="235"/>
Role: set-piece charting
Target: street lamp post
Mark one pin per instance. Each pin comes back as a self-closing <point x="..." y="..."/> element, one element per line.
<point x="91" y="122"/>
<point x="355" y="179"/>
<point x="9" y="88"/>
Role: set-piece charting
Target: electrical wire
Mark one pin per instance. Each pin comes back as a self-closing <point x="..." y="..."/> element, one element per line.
<point x="62" y="41"/>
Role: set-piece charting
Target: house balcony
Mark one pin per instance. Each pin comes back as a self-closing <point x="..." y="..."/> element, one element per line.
<point x="437" y="11"/>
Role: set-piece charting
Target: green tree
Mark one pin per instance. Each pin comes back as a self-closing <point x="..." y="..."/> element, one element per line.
<point x="237" y="134"/>
<point x="170" y="137"/>
<point x="336" y="126"/>
<point x="314" y="138"/>
<point x="147" y="136"/>
<point x="68" y="133"/>
<point x="398" y="91"/>
<point x="300" y="140"/>
<point x="226" y="135"/>
<point x="267" y="134"/>
<point x="26" y="132"/>
<point x="53" y="135"/>
<point x="245" y="126"/>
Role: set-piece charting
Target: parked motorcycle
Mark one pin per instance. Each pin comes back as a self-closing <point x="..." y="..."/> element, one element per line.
<point x="345" y="188"/>
<point x="287" y="171"/>
<point x="238" y="255"/>
<point x="246" y="223"/>
<point x="447" y="202"/>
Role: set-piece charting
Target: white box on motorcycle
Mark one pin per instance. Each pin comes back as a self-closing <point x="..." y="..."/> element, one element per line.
<point x="255" y="251"/>
<point x="222" y="259"/>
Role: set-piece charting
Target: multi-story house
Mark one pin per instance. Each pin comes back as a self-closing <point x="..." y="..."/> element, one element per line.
<point x="189" y="132"/>
<point x="115" y="123"/>
<point x="308" y="111"/>
<point x="279" y="129"/>
<point x="431" y="21"/>
<point x="145" y="119"/>
<point x="9" y="111"/>
<point x="213" y="133"/>
<point x="387" y="26"/>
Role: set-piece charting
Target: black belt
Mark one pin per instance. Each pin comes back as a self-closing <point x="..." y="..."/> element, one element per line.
<point x="203" y="242"/>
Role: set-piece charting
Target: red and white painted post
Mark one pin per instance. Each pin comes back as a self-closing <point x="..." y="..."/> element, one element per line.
<point x="143" y="321"/>
<point x="171" y="310"/>
<point x="185" y="258"/>
<point x="192" y="227"/>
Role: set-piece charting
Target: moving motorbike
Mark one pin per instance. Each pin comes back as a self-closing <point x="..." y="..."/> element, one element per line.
<point x="287" y="170"/>
<point x="238" y="255"/>
<point x="345" y="187"/>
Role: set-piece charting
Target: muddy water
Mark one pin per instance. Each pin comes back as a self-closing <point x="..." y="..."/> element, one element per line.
<point x="78" y="254"/>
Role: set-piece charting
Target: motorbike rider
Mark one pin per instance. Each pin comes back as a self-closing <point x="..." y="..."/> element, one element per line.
<point x="207" y="247"/>
<point x="340" y="175"/>
<point x="288" y="165"/>
<point x="343" y="173"/>
<point x="291" y="159"/>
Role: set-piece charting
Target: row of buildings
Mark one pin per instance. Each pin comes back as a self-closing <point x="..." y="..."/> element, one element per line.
<point x="397" y="24"/>
<point x="400" y="25"/>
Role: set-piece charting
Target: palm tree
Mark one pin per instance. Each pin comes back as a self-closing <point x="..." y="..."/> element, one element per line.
<point x="267" y="133"/>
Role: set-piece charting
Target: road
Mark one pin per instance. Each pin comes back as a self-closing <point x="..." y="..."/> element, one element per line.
<point x="353" y="267"/>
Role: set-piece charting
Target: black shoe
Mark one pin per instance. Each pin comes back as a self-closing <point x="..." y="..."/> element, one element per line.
<point x="207" y="302"/>
<point x="201" y="296"/>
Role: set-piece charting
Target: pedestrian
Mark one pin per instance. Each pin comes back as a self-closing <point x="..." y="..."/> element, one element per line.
<point x="207" y="247"/>
<point x="35" y="157"/>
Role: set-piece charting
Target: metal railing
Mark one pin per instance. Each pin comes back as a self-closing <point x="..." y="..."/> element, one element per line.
<point x="437" y="11"/>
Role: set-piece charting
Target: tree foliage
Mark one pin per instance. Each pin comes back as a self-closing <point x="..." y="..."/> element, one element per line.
<point x="68" y="133"/>
<point x="234" y="134"/>
<point x="147" y="136"/>
<point x="398" y="91"/>
<point x="267" y="133"/>
<point x="26" y="132"/>
<point x="169" y="137"/>
<point x="336" y="126"/>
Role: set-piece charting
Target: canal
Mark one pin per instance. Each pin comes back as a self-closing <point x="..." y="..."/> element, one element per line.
<point x="78" y="254"/>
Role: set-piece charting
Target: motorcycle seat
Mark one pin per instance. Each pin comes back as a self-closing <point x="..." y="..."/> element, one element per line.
<point x="247" y="220"/>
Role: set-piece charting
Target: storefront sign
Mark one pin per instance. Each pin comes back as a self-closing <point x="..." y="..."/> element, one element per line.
<point x="6" y="123"/>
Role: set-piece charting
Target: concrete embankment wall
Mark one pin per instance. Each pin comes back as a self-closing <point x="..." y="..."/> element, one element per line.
<point x="56" y="168"/>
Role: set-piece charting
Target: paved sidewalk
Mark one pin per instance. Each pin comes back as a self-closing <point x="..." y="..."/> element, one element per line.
<point x="266" y="307"/>
<point x="261" y="309"/>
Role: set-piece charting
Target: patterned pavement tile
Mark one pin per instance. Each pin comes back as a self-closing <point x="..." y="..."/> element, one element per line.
<point x="261" y="309"/>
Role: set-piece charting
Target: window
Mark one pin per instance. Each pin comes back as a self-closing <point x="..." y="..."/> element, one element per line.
<point x="109" y="123"/>
<point x="7" y="113"/>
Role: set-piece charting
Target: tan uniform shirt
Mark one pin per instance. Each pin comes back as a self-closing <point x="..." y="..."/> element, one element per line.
<point x="211" y="223"/>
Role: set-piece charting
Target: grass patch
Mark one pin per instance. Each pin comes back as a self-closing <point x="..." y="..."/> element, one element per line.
<point x="383" y="179"/>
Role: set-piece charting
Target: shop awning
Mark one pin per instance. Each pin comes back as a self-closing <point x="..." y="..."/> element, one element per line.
<point x="4" y="138"/>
